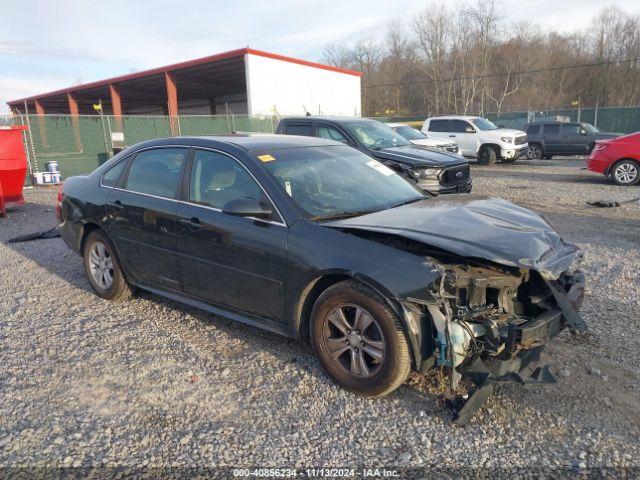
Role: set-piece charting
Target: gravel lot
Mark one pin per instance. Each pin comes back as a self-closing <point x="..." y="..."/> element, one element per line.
<point x="149" y="382"/>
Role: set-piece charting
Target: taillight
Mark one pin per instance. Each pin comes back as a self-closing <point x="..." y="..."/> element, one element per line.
<point x="59" y="203"/>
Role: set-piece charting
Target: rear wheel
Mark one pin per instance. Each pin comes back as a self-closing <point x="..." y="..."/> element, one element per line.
<point x="487" y="156"/>
<point x="102" y="268"/>
<point x="626" y="173"/>
<point x="360" y="340"/>
<point x="534" y="152"/>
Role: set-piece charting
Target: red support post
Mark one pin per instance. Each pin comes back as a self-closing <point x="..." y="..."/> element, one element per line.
<point x="172" y="102"/>
<point x="116" y="104"/>
<point x="42" y="125"/>
<point x="75" y="123"/>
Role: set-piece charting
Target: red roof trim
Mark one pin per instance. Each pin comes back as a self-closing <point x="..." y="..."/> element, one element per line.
<point x="179" y="66"/>
<point x="275" y="56"/>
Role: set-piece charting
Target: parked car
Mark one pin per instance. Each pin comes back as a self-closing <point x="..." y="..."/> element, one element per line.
<point x="547" y="139"/>
<point x="434" y="172"/>
<point x="617" y="158"/>
<point x="420" y="138"/>
<point x="315" y="240"/>
<point x="479" y="138"/>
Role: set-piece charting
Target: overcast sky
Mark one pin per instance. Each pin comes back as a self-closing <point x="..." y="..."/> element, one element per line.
<point x="51" y="44"/>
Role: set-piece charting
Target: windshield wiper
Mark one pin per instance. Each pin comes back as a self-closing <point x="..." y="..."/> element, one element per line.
<point x="413" y="200"/>
<point x="339" y="215"/>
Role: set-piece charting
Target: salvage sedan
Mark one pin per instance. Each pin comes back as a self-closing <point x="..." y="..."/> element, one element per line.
<point x="315" y="240"/>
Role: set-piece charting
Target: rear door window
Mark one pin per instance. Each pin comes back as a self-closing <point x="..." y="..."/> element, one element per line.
<point x="570" y="129"/>
<point x="330" y="133"/>
<point x="460" y="126"/>
<point x="110" y="177"/>
<point x="298" y="129"/>
<point x="156" y="172"/>
<point x="439" y="126"/>
<point x="552" y="129"/>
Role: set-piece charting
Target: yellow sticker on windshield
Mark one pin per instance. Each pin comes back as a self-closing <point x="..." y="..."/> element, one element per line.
<point x="266" y="158"/>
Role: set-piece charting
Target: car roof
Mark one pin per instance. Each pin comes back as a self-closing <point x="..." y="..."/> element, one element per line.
<point x="553" y="122"/>
<point x="453" y="117"/>
<point x="328" y="118"/>
<point x="247" y="141"/>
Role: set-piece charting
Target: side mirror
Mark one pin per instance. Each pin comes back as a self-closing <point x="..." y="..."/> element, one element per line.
<point x="247" y="207"/>
<point x="583" y="131"/>
<point x="470" y="130"/>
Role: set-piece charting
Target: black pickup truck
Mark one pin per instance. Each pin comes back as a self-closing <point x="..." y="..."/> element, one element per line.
<point x="547" y="139"/>
<point x="434" y="172"/>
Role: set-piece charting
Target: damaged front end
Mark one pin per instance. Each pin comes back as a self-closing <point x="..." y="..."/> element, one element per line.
<point x="490" y="324"/>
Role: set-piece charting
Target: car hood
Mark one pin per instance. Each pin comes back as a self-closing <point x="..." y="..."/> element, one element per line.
<point x="475" y="227"/>
<point x="418" y="157"/>
<point x="431" y="142"/>
<point x="508" y="131"/>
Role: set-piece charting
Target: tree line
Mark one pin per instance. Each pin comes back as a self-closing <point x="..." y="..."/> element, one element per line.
<point x="469" y="59"/>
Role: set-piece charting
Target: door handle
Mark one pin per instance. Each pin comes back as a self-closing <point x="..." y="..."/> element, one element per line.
<point x="192" y="223"/>
<point x="117" y="205"/>
<point x="452" y="136"/>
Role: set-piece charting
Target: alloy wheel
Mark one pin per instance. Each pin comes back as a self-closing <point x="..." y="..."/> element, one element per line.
<point x="626" y="173"/>
<point x="101" y="265"/>
<point x="534" y="152"/>
<point x="354" y="340"/>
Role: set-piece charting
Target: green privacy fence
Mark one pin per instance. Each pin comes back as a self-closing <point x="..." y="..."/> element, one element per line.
<point x="81" y="143"/>
<point x="607" y="119"/>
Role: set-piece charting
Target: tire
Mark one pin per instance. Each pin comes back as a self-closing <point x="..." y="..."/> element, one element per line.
<point x="625" y="173"/>
<point x="102" y="268"/>
<point x="487" y="156"/>
<point x="534" y="152"/>
<point x="381" y="345"/>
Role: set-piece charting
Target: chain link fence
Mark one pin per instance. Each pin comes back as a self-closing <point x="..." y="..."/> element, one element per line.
<point x="81" y="143"/>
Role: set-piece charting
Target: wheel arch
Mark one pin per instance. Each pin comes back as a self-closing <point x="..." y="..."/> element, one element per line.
<point x="613" y="164"/>
<point x="495" y="146"/>
<point x="313" y="290"/>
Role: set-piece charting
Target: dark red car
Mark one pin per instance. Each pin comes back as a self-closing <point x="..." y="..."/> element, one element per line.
<point x="618" y="158"/>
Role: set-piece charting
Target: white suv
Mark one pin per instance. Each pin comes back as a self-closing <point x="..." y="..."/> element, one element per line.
<point x="478" y="138"/>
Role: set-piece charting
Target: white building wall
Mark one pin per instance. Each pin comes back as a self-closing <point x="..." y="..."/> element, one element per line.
<point x="291" y="88"/>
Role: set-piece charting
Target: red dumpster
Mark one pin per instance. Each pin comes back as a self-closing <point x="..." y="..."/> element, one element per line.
<point x="13" y="166"/>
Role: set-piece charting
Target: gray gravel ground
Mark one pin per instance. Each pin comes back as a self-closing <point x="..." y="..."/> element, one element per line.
<point x="150" y="382"/>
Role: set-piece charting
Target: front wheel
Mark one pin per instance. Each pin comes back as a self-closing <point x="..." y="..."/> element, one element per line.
<point x="487" y="156"/>
<point x="103" y="269"/>
<point x="534" y="152"/>
<point x="625" y="173"/>
<point x="360" y="340"/>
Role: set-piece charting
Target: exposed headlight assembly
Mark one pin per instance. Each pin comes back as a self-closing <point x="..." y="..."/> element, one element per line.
<point x="427" y="173"/>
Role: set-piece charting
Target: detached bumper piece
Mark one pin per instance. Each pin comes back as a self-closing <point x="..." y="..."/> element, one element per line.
<point x="487" y="378"/>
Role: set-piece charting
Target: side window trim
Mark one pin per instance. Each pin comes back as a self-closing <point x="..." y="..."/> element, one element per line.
<point x="186" y="186"/>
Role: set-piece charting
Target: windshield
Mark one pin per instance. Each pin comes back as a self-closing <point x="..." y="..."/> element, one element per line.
<point x="590" y="128"/>
<point x="410" y="133"/>
<point x="338" y="181"/>
<point x="483" y="124"/>
<point x="376" y="135"/>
